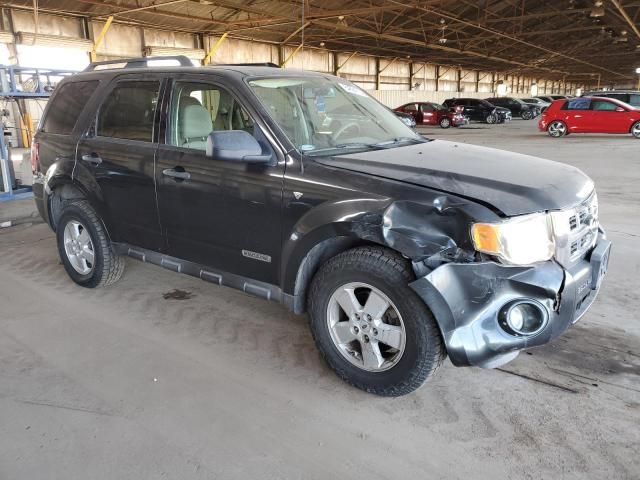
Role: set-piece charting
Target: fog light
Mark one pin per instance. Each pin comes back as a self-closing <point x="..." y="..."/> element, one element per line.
<point x="522" y="318"/>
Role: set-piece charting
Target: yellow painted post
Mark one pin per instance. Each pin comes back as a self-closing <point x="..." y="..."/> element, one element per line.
<point x="291" y="55"/>
<point x="214" y="49"/>
<point x="100" y="38"/>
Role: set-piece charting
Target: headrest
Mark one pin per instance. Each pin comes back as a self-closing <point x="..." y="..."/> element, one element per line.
<point x="195" y="122"/>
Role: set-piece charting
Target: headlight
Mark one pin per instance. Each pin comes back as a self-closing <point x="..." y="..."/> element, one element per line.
<point x="518" y="241"/>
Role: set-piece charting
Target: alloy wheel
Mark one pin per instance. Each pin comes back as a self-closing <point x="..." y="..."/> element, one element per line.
<point x="79" y="247"/>
<point x="557" y="129"/>
<point x="366" y="327"/>
<point x="491" y="119"/>
<point x="445" y="123"/>
<point x="635" y="130"/>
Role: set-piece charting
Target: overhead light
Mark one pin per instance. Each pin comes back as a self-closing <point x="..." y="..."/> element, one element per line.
<point x="638" y="70"/>
<point x="206" y="2"/>
<point x="322" y="44"/>
<point x="341" y="17"/>
<point x="597" y="10"/>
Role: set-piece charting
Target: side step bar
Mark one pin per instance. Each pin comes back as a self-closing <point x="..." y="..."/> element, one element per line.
<point x="250" y="286"/>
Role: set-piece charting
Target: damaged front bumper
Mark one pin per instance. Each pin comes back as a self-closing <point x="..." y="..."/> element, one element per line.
<point x="468" y="300"/>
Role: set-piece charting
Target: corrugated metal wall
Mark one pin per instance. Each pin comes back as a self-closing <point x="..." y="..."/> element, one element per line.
<point x="398" y="81"/>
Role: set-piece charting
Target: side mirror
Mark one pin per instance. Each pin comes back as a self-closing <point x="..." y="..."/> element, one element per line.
<point x="620" y="109"/>
<point x="235" y="146"/>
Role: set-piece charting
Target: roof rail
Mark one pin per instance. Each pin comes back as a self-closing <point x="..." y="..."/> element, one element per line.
<point x="139" y="62"/>
<point x="260" y="64"/>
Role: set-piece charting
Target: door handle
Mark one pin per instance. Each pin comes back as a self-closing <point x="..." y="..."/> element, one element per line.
<point x="92" y="158"/>
<point x="171" y="172"/>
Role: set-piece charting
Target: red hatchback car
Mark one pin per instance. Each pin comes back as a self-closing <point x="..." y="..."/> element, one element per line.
<point x="429" y="113"/>
<point x="590" y="115"/>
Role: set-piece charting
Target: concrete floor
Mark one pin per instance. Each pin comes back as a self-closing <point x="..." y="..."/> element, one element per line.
<point x="122" y="383"/>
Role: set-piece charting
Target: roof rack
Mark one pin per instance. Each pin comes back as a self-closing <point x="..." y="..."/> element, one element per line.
<point x="141" y="62"/>
<point x="261" y="64"/>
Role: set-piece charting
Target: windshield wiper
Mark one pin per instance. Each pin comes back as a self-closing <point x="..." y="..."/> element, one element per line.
<point x="345" y="146"/>
<point x="395" y="141"/>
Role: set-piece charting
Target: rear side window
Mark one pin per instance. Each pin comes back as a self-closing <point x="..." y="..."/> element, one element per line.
<point x="129" y="111"/>
<point x="634" y="99"/>
<point x="579" y="103"/>
<point x="67" y="105"/>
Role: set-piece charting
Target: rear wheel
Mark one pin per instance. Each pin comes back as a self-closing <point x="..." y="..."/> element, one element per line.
<point x="557" y="129"/>
<point x="371" y="328"/>
<point x="84" y="247"/>
<point x="527" y="115"/>
<point x="635" y="130"/>
<point x="491" y="118"/>
<point x="445" y="122"/>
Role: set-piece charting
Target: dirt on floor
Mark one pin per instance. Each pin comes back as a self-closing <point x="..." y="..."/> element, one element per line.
<point x="165" y="376"/>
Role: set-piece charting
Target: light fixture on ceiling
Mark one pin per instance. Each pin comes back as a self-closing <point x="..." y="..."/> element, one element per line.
<point x="206" y="2"/>
<point x="442" y="40"/>
<point x="322" y="44"/>
<point x="598" y="9"/>
<point x="638" y="70"/>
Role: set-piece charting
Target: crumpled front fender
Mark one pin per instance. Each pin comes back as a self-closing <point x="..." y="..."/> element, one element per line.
<point x="465" y="298"/>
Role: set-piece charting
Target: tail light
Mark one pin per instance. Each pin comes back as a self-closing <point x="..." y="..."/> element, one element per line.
<point x="35" y="157"/>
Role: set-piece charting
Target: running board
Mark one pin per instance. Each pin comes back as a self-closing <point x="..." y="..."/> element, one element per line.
<point x="238" y="282"/>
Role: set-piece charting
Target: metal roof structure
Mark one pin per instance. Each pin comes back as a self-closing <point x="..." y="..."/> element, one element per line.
<point x="556" y="38"/>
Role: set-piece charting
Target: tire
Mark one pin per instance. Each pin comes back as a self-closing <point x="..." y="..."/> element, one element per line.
<point x="406" y="323"/>
<point x="526" y="115"/>
<point x="491" y="119"/>
<point x="635" y="129"/>
<point x="84" y="247"/>
<point x="557" y="129"/>
<point x="445" y="122"/>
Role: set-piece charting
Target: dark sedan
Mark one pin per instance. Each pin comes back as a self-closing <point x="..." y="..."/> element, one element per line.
<point x="477" y="110"/>
<point x="517" y="107"/>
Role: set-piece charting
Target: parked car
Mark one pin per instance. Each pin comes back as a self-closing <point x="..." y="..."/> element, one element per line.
<point x="475" y="109"/>
<point x="407" y="119"/>
<point x="541" y="104"/>
<point x="429" y="113"/>
<point x="552" y="98"/>
<point x="516" y="106"/>
<point x="632" y="97"/>
<point x="590" y="115"/>
<point x="300" y="188"/>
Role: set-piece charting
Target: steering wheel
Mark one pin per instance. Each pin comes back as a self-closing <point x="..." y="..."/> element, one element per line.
<point x="346" y="127"/>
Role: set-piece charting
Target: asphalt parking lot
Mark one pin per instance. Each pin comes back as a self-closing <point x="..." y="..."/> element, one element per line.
<point x="165" y="376"/>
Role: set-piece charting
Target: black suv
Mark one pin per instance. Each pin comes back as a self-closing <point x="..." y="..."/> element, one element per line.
<point x="519" y="108"/>
<point x="301" y="188"/>
<point x="479" y="110"/>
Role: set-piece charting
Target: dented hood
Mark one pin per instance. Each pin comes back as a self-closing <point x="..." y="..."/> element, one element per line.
<point x="511" y="183"/>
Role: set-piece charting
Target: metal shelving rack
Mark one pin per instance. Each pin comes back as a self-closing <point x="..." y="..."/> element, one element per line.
<point x="22" y="83"/>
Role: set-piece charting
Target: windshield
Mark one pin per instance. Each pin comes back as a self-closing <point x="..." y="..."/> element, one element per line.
<point x="323" y="114"/>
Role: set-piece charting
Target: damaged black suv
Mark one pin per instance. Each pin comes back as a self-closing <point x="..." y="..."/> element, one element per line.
<point x="301" y="188"/>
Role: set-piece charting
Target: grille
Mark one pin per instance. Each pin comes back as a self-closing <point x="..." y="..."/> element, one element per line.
<point x="576" y="231"/>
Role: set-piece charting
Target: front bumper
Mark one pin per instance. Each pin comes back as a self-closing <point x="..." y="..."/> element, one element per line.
<point x="466" y="299"/>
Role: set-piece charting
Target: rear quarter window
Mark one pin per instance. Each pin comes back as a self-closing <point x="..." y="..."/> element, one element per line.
<point x="67" y="105"/>
<point x="579" y="103"/>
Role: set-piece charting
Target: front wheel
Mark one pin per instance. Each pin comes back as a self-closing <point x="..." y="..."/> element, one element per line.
<point x="371" y="328"/>
<point x="635" y="130"/>
<point x="85" y="248"/>
<point x="557" y="129"/>
<point x="445" y="122"/>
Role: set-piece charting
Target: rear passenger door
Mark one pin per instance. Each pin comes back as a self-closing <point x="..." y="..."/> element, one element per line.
<point x="577" y="114"/>
<point x="607" y="119"/>
<point x="118" y="152"/>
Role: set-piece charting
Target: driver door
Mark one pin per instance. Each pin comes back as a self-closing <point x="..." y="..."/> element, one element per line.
<point x="222" y="214"/>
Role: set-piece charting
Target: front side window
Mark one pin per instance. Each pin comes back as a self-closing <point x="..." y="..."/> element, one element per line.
<point x="67" y="105"/>
<point x="198" y="109"/>
<point x="129" y="111"/>
<point x="603" y="105"/>
<point x="319" y="114"/>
